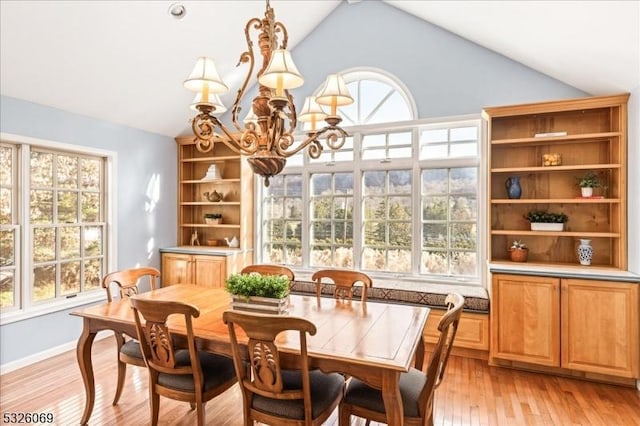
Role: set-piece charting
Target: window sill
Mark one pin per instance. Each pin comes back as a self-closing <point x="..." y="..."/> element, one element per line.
<point x="49" y="308"/>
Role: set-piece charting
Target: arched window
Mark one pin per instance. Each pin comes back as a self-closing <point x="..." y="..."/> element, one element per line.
<point x="378" y="97"/>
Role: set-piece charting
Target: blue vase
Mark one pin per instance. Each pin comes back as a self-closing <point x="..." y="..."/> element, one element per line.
<point x="513" y="187"/>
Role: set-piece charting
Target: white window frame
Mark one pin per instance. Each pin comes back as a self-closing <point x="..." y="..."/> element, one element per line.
<point x="416" y="166"/>
<point x="25" y="307"/>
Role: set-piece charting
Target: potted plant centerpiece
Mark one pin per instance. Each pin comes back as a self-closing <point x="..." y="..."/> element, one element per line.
<point x="518" y="251"/>
<point x="546" y="221"/>
<point x="587" y="183"/>
<point x="258" y="293"/>
<point x="213" y="218"/>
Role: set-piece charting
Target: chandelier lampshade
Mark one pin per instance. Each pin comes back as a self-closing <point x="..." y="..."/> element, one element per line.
<point x="266" y="135"/>
<point x="281" y="73"/>
<point x="311" y="112"/>
<point x="213" y="99"/>
<point x="334" y="93"/>
<point x="204" y="78"/>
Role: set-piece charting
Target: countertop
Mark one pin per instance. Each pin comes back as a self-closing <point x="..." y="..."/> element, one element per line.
<point x="586" y="272"/>
<point x="210" y="250"/>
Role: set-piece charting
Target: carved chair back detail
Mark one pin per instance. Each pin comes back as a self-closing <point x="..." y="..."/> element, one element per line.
<point x="344" y="281"/>
<point x="265" y="269"/>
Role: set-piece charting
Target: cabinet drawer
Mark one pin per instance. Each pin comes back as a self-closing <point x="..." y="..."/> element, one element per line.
<point x="473" y="330"/>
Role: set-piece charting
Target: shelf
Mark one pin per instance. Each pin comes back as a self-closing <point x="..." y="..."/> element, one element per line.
<point x="579" y="234"/>
<point x="556" y="201"/>
<point x="221" y="181"/>
<point x="210" y="203"/>
<point x="219" y="159"/>
<point x="582" y="138"/>
<point x="550" y="169"/>
<point x="206" y="225"/>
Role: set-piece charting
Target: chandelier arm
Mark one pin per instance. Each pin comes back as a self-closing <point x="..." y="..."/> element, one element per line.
<point x="246" y="56"/>
<point x="335" y="138"/>
<point x="293" y="117"/>
<point x="237" y="146"/>
<point x="279" y="26"/>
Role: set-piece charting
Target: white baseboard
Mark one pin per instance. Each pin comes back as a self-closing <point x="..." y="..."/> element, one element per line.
<point x="40" y="356"/>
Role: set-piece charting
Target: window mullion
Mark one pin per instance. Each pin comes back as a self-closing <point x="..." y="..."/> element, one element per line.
<point x="26" y="228"/>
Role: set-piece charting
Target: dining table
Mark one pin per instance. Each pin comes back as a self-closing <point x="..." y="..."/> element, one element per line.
<point x="372" y="341"/>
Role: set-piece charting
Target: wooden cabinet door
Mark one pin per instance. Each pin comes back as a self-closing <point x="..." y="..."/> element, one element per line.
<point x="525" y="319"/>
<point x="600" y="327"/>
<point x="176" y="269"/>
<point x="209" y="271"/>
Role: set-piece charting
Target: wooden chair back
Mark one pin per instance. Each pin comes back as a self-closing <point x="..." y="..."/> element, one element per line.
<point x="127" y="281"/>
<point x="344" y="281"/>
<point x="448" y="327"/>
<point x="155" y="338"/>
<point x="264" y="269"/>
<point x="264" y="358"/>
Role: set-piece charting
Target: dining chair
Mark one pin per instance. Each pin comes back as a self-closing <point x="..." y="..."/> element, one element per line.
<point x="127" y="281"/>
<point x="182" y="374"/>
<point x="344" y="281"/>
<point x="265" y="269"/>
<point x="273" y="395"/>
<point x="416" y="388"/>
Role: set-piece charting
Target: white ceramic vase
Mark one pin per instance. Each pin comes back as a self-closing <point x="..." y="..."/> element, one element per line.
<point x="585" y="252"/>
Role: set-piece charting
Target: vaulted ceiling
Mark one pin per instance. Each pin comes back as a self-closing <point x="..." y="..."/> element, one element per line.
<point x="124" y="61"/>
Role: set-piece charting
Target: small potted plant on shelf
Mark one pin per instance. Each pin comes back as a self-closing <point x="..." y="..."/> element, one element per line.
<point x="213" y="218"/>
<point x="518" y="251"/>
<point x="546" y="221"/>
<point x="258" y="293"/>
<point x="587" y="183"/>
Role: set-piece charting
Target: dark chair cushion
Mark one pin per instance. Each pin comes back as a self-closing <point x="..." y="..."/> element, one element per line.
<point x="132" y="348"/>
<point x="216" y="370"/>
<point x="411" y="385"/>
<point x="325" y="388"/>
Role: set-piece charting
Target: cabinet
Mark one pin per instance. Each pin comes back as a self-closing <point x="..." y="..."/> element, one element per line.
<point x="576" y="324"/>
<point x="203" y="270"/>
<point x="235" y="185"/>
<point x="589" y="135"/>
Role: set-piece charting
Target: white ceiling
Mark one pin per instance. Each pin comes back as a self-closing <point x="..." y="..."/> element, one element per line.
<point x="124" y="61"/>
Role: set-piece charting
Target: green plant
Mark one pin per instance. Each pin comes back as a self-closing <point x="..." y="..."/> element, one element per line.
<point x="518" y="245"/>
<point x="213" y="216"/>
<point x="539" y="216"/>
<point x="590" y="180"/>
<point x="247" y="285"/>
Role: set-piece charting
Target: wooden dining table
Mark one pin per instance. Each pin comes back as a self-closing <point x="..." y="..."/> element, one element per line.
<point x="374" y="342"/>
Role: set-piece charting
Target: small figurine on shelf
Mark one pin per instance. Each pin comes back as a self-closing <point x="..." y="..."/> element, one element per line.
<point x="518" y="251"/>
<point x="194" y="238"/>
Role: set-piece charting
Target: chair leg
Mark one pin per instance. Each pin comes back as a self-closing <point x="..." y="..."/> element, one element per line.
<point x="122" y="369"/>
<point x="154" y="401"/>
<point x="344" y="415"/>
<point x="200" y="413"/>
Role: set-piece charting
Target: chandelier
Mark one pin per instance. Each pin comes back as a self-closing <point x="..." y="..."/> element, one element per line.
<point x="266" y="139"/>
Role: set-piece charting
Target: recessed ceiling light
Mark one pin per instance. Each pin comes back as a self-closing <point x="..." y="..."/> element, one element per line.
<point x="177" y="10"/>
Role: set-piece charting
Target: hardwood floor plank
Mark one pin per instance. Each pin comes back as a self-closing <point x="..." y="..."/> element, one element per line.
<point x="472" y="393"/>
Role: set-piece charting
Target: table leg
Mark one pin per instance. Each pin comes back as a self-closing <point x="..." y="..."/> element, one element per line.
<point x="392" y="398"/>
<point x="83" y="353"/>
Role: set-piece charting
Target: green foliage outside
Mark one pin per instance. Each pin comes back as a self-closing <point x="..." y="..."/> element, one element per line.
<point x="247" y="285"/>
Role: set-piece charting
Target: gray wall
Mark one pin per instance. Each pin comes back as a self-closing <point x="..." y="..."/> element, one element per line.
<point x="140" y="156"/>
<point x="446" y="74"/>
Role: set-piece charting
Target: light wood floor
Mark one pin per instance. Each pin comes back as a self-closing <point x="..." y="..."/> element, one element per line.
<point x="471" y="394"/>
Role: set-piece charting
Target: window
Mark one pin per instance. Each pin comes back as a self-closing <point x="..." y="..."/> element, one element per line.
<point x="9" y="231"/>
<point x="59" y="218"/>
<point x="400" y="201"/>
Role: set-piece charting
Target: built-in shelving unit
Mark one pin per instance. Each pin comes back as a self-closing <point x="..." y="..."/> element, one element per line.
<point x="590" y="135"/>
